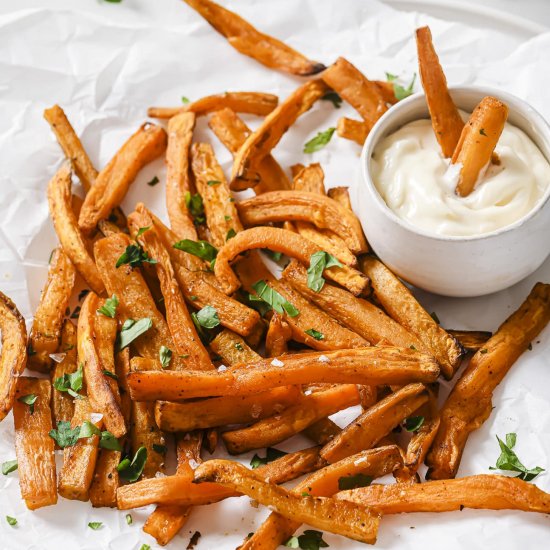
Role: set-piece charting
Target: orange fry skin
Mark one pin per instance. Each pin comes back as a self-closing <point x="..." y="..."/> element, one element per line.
<point x="376" y="422"/>
<point x="290" y="244"/>
<point x="470" y="401"/>
<point x="361" y="93"/>
<point x="446" y="120"/>
<point x="180" y="135"/>
<point x="307" y="410"/>
<point x="247" y="40"/>
<point x="113" y="182"/>
<point x="359" y="523"/>
<point x="484" y="492"/>
<point x="259" y="143"/>
<point x="34" y="447"/>
<point x="277" y="529"/>
<point x="254" y="103"/>
<point x="67" y="230"/>
<point x="477" y="142"/>
<point x="233" y="132"/>
<point x="354" y="130"/>
<point x="13" y="352"/>
<point x="48" y="317"/>
<point x="369" y="366"/>
<point x="320" y="210"/>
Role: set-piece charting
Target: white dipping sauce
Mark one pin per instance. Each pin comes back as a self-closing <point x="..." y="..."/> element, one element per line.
<point x="417" y="183"/>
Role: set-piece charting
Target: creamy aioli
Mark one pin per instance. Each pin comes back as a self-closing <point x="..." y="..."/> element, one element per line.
<point x="418" y="184"/>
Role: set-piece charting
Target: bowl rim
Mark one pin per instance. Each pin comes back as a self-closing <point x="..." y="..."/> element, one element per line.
<point x="515" y="104"/>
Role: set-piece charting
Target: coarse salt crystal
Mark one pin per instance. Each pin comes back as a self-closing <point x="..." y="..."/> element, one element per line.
<point x="277" y="363"/>
<point x="58" y="357"/>
<point x="308" y="392"/>
<point x="193" y="463"/>
<point x="323" y="359"/>
<point x="222" y="368"/>
<point x="160" y="474"/>
<point x="96" y="417"/>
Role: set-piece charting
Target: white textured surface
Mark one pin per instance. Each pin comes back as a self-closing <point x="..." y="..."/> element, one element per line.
<point x="105" y="63"/>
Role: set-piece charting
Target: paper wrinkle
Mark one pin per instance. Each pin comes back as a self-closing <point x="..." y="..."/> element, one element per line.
<point x="105" y="64"/>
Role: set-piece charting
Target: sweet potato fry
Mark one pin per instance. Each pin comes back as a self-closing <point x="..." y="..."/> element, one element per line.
<point x="277" y="529"/>
<point x="180" y="135"/>
<point x="247" y="40"/>
<point x="357" y="522"/>
<point x="135" y="300"/>
<point x="71" y="145"/>
<point x="259" y="144"/>
<point x="477" y="142"/>
<point x="470" y="402"/>
<point x="387" y="90"/>
<point x="307" y="410"/>
<point x="401" y="305"/>
<point x="422" y="439"/>
<point x="232" y="132"/>
<point x="314" y="208"/>
<point x="280" y="240"/>
<point x="232" y="349"/>
<point x="341" y="196"/>
<point x="48" y="318"/>
<point x="446" y="120"/>
<point x="67" y="230"/>
<point x="311" y="179"/>
<point x="369" y="428"/>
<point x="79" y="460"/>
<point x="369" y="366"/>
<point x="354" y="130"/>
<point x="102" y="398"/>
<point x="112" y="183"/>
<point x="167" y="520"/>
<point x="181" y="491"/>
<point x="184" y="334"/>
<point x="278" y="335"/>
<point x="13" y="352"/>
<point x="352" y="85"/>
<point x="198" y="287"/>
<point x="359" y="315"/>
<point x="222" y="217"/>
<point x="106" y="480"/>
<point x="485" y="492"/>
<point x="219" y="411"/>
<point x="471" y="340"/>
<point x="322" y="431"/>
<point x="62" y="402"/>
<point x="34" y="447"/>
<point x="105" y="332"/>
<point x="311" y="325"/>
<point x="254" y="103"/>
<point x="144" y="431"/>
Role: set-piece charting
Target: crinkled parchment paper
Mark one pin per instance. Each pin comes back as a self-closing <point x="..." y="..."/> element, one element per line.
<point x="105" y="64"/>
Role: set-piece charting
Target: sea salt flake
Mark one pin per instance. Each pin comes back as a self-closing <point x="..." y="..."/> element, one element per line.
<point x="277" y="363"/>
<point x="193" y="463"/>
<point x="58" y="357"/>
<point x="323" y="359"/>
<point x="222" y="368"/>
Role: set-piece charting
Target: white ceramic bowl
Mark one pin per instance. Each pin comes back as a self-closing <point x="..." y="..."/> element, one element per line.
<point x="455" y="266"/>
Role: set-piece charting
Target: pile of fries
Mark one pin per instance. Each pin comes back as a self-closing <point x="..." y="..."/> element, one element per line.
<point x="183" y="333"/>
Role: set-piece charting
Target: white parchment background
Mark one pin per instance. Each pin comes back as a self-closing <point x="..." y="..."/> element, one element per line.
<point x="105" y="64"/>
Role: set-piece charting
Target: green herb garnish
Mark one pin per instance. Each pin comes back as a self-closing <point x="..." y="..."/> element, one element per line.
<point x="131" y="470"/>
<point x="11" y="521"/>
<point x="509" y="461"/>
<point x="9" y="466"/>
<point x="414" y="423"/>
<point x="309" y="540"/>
<point x="29" y="400"/>
<point x="334" y="98"/>
<point x="109" y="307"/>
<point x="195" y="206"/>
<point x="95" y="525"/>
<point x="165" y="356"/>
<point x="201" y="249"/>
<point x="274" y="299"/>
<point x="315" y="334"/>
<point x="153" y="182"/>
<point x="134" y="256"/>
<point x="271" y="454"/>
<point x="64" y="435"/>
<point x="131" y="331"/>
<point x="70" y="383"/>
<point x="319" y="141"/>
<point x="318" y="262"/>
